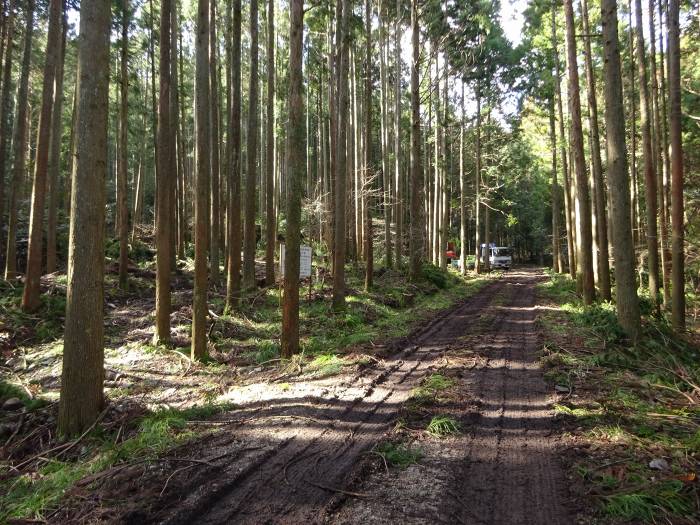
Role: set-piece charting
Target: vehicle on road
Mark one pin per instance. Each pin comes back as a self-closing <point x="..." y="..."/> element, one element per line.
<point x="500" y="257"/>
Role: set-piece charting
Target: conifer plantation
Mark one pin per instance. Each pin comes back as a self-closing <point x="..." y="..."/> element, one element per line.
<point x="349" y="261"/>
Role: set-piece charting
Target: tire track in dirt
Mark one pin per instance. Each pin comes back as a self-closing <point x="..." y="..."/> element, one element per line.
<point x="307" y="463"/>
<point x="503" y="468"/>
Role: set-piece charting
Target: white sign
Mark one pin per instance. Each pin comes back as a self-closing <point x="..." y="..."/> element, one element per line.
<point x="304" y="261"/>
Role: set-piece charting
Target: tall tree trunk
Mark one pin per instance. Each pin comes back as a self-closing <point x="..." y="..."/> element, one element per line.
<point x="165" y="181"/>
<point x="55" y="155"/>
<point x="398" y="183"/>
<point x="122" y="167"/>
<point x="384" y="129"/>
<point x="154" y="103"/>
<point x="233" y="281"/>
<point x="6" y="109"/>
<point x="634" y="214"/>
<point x="203" y="170"/>
<point x="31" y="300"/>
<point x="445" y="204"/>
<point x="485" y="200"/>
<point x="597" y="165"/>
<point x="214" y="232"/>
<point x="368" y="162"/>
<point x="82" y="397"/>
<point x="625" y="283"/>
<point x="416" y="196"/>
<point x="249" y="237"/>
<point x="584" y="235"/>
<point x="177" y="154"/>
<point x="675" y="139"/>
<point x="557" y="262"/>
<point x="658" y="143"/>
<point x="568" y="204"/>
<point x="341" y="163"/>
<point x="648" y="153"/>
<point x="270" y="164"/>
<point x="464" y="219"/>
<point x="295" y="174"/>
<point x="477" y="183"/>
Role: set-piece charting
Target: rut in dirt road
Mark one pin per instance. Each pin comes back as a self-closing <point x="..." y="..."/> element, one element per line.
<point x="306" y="460"/>
<point x="504" y="468"/>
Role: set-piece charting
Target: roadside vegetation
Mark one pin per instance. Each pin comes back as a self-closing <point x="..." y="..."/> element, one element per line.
<point x="631" y="414"/>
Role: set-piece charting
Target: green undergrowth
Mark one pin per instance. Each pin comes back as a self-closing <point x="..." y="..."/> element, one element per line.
<point x="44" y="325"/>
<point x="634" y="406"/>
<point x="442" y="426"/>
<point x="429" y="390"/>
<point x="399" y="454"/>
<point x="34" y="494"/>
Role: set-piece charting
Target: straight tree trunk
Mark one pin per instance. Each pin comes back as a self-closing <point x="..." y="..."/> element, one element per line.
<point x="384" y="125"/>
<point x="584" y="236"/>
<point x="649" y="164"/>
<point x="675" y="139"/>
<point x="177" y="194"/>
<point x="568" y="204"/>
<point x="55" y="155"/>
<point x="658" y="142"/>
<point x="6" y="109"/>
<point x="31" y="299"/>
<point x="165" y="175"/>
<point x="625" y="283"/>
<point x="368" y="166"/>
<point x="82" y="377"/>
<point x="597" y="165"/>
<point x="416" y="196"/>
<point x="341" y="163"/>
<point x="477" y="183"/>
<point x="249" y="237"/>
<point x="557" y="262"/>
<point x="215" y="231"/>
<point x="464" y="220"/>
<point x="233" y="281"/>
<point x="122" y="168"/>
<point x="270" y="136"/>
<point x="203" y="170"/>
<point x="398" y="183"/>
<point x="295" y="173"/>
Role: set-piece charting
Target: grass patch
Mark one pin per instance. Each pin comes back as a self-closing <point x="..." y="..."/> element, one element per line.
<point x="325" y="365"/>
<point x="668" y="498"/>
<point x="429" y="390"/>
<point x="399" y="454"/>
<point x="442" y="426"/>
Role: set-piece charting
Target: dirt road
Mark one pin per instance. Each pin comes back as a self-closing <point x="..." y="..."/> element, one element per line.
<point x="302" y="456"/>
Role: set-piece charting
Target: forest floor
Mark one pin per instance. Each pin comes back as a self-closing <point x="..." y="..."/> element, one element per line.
<point x="507" y="403"/>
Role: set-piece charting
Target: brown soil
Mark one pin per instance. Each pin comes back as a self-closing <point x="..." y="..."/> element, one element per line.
<point x="303" y="454"/>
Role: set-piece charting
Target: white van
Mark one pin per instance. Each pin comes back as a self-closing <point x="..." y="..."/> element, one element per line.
<point x="500" y="257"/>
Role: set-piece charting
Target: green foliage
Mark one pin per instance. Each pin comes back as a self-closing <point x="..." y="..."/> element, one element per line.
<point x="665" y="498"/>
<point x="429" y="389"/>
<point x="9" y="390"/>
<point x="399" y="454"/>
<point x="441" y="426"/>
<point x="435" y="275"/>
<point x="326" y="365"/>
<point x="264" y="351"/>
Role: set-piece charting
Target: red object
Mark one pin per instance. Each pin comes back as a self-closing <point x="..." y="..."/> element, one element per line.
<point x="450" y="254"/>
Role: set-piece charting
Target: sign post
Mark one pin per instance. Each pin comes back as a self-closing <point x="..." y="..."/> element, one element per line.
<point x="304" y="261"/>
